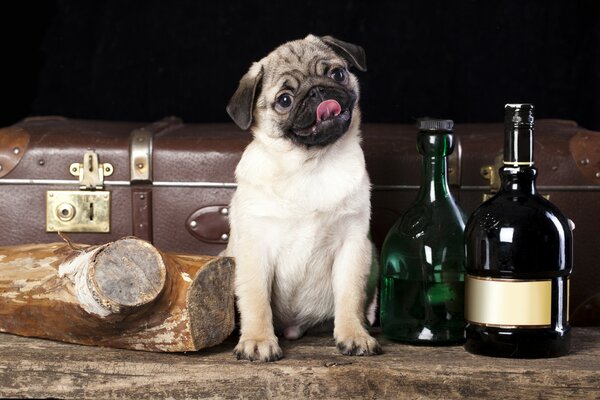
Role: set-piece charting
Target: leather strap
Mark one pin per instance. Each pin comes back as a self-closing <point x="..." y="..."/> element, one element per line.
<point x="585" y="149"/>
<point x="210" y="224"/>
<point x="140" y="147"/>
<point x="13" y="143"/>
<point x="454" y="164"/>
<point x="141" y="175"/>
<point x="141" y="212"/>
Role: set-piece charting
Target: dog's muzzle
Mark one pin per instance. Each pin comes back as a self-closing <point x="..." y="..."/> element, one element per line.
<point x="322" y="117"/>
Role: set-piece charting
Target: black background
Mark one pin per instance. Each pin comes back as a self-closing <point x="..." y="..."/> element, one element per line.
<point x="143" y="60"/>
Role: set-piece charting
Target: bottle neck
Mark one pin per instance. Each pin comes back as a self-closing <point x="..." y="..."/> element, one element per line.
<point x="518" y="180"/>
<point x="434" y="185"/>
<point x="518" y="134"/>
<point x="518" y="174"/>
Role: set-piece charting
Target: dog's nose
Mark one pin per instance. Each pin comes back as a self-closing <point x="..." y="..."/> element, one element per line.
<point x="317" y="91"/>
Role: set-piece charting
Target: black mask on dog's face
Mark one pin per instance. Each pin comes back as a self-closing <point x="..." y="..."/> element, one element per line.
<point x="321" y="111"/>
<point x="305" y="89"/>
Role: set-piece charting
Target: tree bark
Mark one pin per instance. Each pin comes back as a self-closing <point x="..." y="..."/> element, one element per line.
<point x="123" y="294"/>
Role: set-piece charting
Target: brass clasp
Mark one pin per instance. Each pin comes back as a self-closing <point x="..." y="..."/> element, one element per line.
<point x="492" y="174"/>
<point x="85" y="210"/>
<point x="91" y="173"/>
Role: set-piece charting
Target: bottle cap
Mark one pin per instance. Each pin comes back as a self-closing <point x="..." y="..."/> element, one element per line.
<point x="518" y="115"/>
<point x="435" y="137"/>
<point x="432" y="124"/>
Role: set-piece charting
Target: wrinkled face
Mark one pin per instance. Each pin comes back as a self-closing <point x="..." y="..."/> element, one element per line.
<point x="307" y="94"/>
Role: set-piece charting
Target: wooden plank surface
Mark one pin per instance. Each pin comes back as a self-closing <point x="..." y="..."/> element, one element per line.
<point x="312" y="368"/>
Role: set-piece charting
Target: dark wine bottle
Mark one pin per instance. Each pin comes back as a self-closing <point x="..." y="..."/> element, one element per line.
<point x="519" y="259"/>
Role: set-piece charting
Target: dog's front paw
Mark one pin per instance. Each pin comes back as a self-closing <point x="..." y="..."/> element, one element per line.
<point x="361" y="344"/>
<point x="258" y="350"/>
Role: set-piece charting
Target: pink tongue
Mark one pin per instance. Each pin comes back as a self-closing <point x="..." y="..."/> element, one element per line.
<point x="327" y="109"/>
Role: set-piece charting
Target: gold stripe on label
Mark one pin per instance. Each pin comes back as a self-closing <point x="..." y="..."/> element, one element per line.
<point x="508" y="303"/>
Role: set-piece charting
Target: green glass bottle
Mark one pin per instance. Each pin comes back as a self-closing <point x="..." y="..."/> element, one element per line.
<point x="422" y="288"/>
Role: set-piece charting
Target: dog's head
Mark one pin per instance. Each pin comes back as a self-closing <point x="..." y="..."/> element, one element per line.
<point x="302" y="91"/>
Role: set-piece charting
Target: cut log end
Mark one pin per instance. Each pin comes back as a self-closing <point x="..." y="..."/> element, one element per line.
<point x="211" y="317"/>
<point x="127" y="274"/>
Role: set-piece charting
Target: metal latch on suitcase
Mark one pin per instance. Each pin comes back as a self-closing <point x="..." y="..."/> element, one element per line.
<point x="85" y="210"/>
<point x="492" y="174"/>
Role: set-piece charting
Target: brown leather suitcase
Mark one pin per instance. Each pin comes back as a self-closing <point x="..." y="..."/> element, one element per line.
<point x="165" y="182"/>
<point x="171" y="183"/>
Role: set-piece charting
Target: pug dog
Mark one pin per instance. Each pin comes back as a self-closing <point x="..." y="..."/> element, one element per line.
<point x="300" y="215"/>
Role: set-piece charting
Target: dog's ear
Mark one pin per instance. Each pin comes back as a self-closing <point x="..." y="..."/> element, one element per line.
<point x="241" y="104"/>
<point x="352" y="53"/>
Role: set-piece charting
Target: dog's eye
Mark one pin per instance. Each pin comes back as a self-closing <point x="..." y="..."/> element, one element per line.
<point x="285" y="100"/>
<point x="338" y="74"/>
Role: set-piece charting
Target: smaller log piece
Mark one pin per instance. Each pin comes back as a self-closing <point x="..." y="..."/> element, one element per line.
<point x="116" y="279"/>
<point x="123" y="294"/>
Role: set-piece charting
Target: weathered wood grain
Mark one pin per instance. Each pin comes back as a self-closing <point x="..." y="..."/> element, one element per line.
<point x="124" y="294"/>
<point x="312" y="368"/>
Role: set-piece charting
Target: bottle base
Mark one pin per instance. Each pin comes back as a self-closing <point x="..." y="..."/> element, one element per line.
<point x="517" y="343"/>
<point x="433" y="343"/>
<point x="426" y="337"/>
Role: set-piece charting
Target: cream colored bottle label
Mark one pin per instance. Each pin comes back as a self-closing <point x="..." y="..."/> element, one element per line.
<point x="508" y="302"/>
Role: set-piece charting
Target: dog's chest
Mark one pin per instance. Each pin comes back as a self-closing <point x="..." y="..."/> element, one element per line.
<point x="302" y="288"/>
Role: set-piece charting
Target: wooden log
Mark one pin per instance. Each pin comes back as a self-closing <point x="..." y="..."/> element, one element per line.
<point x="124" y="294"/>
